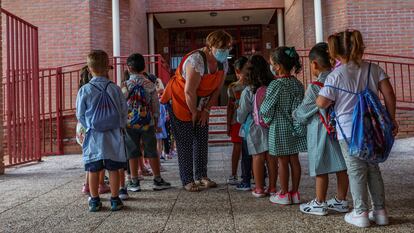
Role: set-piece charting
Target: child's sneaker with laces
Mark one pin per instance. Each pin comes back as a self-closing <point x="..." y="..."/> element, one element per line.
<point x="295" y="197"/>
<point x="134" y="186"/>
<point x="359" y="220"/>
<point x="281" y="199"/>
<point x="123" y="194"/>
<point x="95" y="204"/>
<point x="243" y="187"/>
<point x="380" y="217"/>
<point x="116" y="204"/>
<point x="314" y="207"/>
<point x="259" y="193"/>
<point x="232" y="180"/>
<point x="338" y="205"/>
<point x="161" y="184"/>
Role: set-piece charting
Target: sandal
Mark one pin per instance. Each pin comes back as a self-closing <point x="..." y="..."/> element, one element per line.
<point x="192" y="187"/>
<point x="206" y="183"/>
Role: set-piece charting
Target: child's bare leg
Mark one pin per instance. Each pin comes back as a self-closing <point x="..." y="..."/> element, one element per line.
<point x="273" y="170"/>
<point x="235" y="157"/>
<point x="121" y="178"/>
<point x="133" y="165"/>
<point x="284" y="173"/>
<point x="86" y="178"/>
<point x="93" y="183"/>
<point x="102" y="177"/>
<point x="155" y="166"/>
<point x="140" y="164"/>
<point x="342" y="185"/>
<point x="258" y="170"/>
<point x="114" y="183"/>
<point x="296" y="171"/>
<point x="322" y="182"/>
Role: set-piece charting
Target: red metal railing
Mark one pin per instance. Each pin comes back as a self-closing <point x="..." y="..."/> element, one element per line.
<point x="400" y="69"/>
<point x="57" y="98"/>
<point x="20" y="90"/>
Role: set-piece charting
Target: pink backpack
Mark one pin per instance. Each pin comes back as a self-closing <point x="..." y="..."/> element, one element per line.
<point x="257" y="102"/>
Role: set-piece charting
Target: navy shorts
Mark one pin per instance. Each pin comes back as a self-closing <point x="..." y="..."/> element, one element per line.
<point x="107" y="164"/>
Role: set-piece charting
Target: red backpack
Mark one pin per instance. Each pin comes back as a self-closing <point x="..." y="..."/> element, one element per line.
<point x="257" y="102"/>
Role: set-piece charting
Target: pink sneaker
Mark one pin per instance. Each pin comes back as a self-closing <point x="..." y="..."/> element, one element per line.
<point x="281" y="199"/>
<point x="271" y="192"/>
<point x="104" y="189"/>
<point x="259" y="193"/>
<point x="295" y="197"/>
<point x="85" y="189"/>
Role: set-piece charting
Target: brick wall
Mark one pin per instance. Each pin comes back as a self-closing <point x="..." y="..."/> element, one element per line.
<point x="63" y="28"/>
<point x="198" y="5"/>
<point x="1" y="107"/>
<point x="387" y="26"/>
<point x="294" y="30"/>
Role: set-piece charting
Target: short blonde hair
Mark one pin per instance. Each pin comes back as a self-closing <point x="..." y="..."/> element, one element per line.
<point x="218" y="39"/>
<point x="98" y="62"/>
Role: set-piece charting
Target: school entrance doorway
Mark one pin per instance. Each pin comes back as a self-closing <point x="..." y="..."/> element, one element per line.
<point x="253" y="32"/>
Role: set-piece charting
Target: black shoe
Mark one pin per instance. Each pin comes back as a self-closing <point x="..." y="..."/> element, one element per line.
<point x="161" y="184"/>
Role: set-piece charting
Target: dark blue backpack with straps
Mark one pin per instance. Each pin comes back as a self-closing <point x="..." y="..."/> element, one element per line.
<point x="105" y="113"/>
<point x="372" y="128"/>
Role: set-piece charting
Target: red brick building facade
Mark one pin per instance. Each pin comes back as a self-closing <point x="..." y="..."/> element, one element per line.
<point x="68" y="30"/>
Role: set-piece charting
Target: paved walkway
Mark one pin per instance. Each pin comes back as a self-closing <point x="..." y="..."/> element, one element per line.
<point x="46" y="197"/>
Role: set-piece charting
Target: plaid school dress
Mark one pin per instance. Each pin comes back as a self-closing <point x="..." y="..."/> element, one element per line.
<point x="286" y="135"/>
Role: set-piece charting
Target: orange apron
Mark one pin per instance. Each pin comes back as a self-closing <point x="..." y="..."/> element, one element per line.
<point x="175" y="88"/>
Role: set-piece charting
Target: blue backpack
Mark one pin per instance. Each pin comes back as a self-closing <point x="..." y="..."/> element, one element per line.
<point x="372" y="137"/>
<point x="105" y="114"/>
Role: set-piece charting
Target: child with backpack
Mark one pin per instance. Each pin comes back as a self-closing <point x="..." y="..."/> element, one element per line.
<point x="233" y="127"/>
<point x="324" y="154"/>
<point x="102" y="111"/>
<point x="85" y="77"/>
<point x="256" y="134"/>
<point x="143" y="113"/>
<point x="365" y="128"/>
<point x="287" y="137"/>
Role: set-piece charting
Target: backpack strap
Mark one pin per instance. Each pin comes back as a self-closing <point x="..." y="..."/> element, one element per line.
<point x="368" y="76"/>
<point x="204" y="56"/>
<point x="319" y="84"/>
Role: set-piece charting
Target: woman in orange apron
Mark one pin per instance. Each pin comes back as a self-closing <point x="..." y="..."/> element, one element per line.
<point x="192" y="91"/>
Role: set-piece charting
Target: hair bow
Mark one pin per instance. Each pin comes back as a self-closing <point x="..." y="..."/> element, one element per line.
<point x="290" y="51"/>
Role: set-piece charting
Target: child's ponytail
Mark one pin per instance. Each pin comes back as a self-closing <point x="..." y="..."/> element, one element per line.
<point x="347" y="45"/>
<point x="357" y="47"/>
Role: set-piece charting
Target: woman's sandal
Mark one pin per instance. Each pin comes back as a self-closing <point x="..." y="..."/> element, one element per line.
<point x="206" y="183"/>
<point x="192" y="187"/>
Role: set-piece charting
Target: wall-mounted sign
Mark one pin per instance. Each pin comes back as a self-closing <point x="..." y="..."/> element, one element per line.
<point x="165" y="49"/>
<point x="268" y="45"/>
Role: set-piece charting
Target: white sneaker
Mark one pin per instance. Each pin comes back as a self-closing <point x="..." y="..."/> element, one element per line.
<point x="232" y="180"/>
<point x="359" y="220"/>
<point x="380" y="217"/>
<point x="281" y="199"/>
<point x="313" y="207"/>
<point x="337" y="205"/>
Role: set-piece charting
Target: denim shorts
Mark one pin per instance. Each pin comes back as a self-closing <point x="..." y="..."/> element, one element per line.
<point x="107" y="164"/>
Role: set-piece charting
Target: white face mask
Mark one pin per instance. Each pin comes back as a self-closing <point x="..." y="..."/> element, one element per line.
<point x="271" y="69"/>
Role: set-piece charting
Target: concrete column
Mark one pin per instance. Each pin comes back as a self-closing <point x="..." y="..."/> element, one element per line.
<point x="280" y="31"/>
<point x="318" y="20"/>
<point x="116" y="35"/>
<point x="151" y="41"/>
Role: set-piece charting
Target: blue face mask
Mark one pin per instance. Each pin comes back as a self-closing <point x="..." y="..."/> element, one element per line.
<point x="273" y="72"/>
<point x="221" y="55"/>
